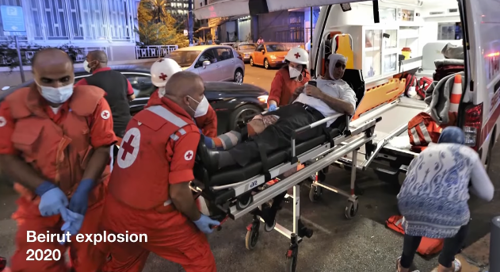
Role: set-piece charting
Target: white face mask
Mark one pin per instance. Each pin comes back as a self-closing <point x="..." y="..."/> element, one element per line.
<point x="56" y="95"/>
<point x="294" y="72"/>
<point x="86" y="67"/>
<point x="161" y="92"/>
<point x="202" y="108"/>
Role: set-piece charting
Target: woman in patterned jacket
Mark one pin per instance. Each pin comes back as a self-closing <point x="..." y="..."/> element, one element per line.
<point x="433" y="198"/>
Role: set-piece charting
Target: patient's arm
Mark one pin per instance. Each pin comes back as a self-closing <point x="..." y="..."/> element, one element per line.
<point x="259" y="123"/>
<point x="343" y="105"/>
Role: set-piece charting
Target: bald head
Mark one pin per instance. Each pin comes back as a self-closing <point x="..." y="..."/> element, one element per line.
<point x="97" y="59"/>
<point x="52" y="67"/>
<point x="186" y="89"/>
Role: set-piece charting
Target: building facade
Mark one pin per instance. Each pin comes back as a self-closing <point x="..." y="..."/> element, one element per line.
<point x="87" y="24"/>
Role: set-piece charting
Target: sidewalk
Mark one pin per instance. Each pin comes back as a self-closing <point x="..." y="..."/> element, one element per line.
<point x="475" y="258"/>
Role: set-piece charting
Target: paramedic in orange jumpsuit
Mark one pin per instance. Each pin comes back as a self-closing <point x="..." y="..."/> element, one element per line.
<point x="161" y="71"/>
<point x="149" y="188"/>
<point x="54" y="142"/>
<point x="289" y="78"/>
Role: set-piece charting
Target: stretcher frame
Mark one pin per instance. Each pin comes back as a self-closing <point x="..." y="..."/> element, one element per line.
<point x="321" y="157"/>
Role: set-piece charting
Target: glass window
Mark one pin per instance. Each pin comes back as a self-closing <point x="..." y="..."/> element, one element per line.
<point x="76" y="25"/>
<point x="54" y="14"/>
<point x="247" y="47"/>
<point x="260" y="47"/>
<point x="224" y="54"/>
<point x="276" y="48"/>
<point x="119" y="23"/>
<point x="209" y="55"/>
<point x="142" y="85"/>
<point x="185" y="58"/>
<point x="37" y="20"/>
<point x="92" y="14"/>
<point x="450" y="31"/>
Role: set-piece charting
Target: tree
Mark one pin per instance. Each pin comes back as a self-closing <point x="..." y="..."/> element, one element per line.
<point x="156" y="26"/>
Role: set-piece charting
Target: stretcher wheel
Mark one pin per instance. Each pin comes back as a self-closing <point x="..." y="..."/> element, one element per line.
<point x="269" y="229"/>
<point x="315" y="193"/>
<point x="252" y="237"/>
<point x="244" y="201"/>
<point x="291" y="259"/>
<point x="351" y="209"/>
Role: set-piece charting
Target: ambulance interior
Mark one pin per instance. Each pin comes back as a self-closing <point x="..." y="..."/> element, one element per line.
<point x="409" y="40"/>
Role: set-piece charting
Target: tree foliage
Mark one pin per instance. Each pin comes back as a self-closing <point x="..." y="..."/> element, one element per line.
<point x="157" y="26"/>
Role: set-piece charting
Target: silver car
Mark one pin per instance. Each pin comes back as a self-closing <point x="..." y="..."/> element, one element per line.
<point x="245" y="50"/>
<point x="211" y="62"/>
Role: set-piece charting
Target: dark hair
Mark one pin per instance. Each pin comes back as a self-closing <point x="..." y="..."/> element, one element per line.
<point x="48" y="49"/>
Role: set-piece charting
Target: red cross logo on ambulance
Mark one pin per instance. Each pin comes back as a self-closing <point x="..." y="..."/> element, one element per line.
<point x="129" y="148"/>
<point x="3" y="122"/>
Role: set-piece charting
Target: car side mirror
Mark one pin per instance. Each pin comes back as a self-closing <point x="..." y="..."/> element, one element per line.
<point x="206" y="63"/>
<point x="263" y="52"/>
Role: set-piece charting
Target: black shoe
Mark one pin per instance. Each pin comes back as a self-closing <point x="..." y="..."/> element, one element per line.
<point x="209" y="158"/>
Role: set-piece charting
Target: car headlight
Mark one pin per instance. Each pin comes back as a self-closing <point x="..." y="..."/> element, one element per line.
<point x="273" y="57"/>
<point x="263" y="98"/>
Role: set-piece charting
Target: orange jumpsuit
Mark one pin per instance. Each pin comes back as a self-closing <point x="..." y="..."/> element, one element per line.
<point x="207" y="123"/>
<point x="283" y="86"/>
<point x="58" y="146"/>
<point x="158" y="150"/>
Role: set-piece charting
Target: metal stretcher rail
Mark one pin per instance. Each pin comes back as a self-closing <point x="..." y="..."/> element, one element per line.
<point x="300" y="176"/>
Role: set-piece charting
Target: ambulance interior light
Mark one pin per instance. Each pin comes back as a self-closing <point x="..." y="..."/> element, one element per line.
<point x="473" y="124"/>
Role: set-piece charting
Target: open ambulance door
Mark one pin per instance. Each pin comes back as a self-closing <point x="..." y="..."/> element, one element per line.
<point x="207" y="9"/>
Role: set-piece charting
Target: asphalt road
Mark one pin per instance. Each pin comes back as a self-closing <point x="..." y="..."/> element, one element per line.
<point x="360" y="244"/>
<point x="259" y="76"/>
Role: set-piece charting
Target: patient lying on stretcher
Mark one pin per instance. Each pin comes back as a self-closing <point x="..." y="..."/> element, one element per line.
<point x="272" y="131"/>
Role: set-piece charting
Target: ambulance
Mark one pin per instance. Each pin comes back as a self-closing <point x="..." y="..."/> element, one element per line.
<point x="373" y="35"/>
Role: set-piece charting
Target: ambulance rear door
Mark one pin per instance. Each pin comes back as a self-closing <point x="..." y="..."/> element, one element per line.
<point x="479" y="111"/>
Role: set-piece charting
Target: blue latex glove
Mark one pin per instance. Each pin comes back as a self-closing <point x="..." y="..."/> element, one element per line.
<point x="72" y="223"/>
<point x="52" y="199"/>
<point x="272" y="107"/>
<point x="206" y="224"/>
<point x="80" y="199"/>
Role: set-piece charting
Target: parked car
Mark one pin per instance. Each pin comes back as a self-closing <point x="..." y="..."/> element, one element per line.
<point x="245" y="50"/>
<point x="211" y="62"/>
<point x="233" y="102"/>
<point x="269" y="55"/>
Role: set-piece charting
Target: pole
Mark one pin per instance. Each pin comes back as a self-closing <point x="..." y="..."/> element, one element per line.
<point x="21" y="70"/>
<point x="311" y="26"/>
<point x="495" y="245"/>
<point x="190" y="22"/>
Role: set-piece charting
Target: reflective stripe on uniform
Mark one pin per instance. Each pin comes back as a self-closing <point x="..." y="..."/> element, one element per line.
<point x="424" y="131"/>
<point x="166" y="203"/>
<point x="416" y="138"/>
<point x="170" y="117"/>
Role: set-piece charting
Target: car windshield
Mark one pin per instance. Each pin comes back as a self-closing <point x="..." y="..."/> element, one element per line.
<point x="276" y="48"/>
<point x="184" y="58"/>
<point x="247" y="47"/>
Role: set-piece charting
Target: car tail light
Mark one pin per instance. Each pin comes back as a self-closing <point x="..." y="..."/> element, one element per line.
<point x="473" y="124"/>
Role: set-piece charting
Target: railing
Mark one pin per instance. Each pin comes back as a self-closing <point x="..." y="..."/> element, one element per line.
<point x="78" y="54"/>
<point x="154" y="51"/>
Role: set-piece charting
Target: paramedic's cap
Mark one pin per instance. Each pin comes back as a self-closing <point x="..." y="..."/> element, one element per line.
<point x="452" y="135"/>
<point x="333" y="58"/>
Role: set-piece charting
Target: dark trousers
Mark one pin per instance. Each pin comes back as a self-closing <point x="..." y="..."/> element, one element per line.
<point x="278" y="136"/>
<point x="451" y="248"/>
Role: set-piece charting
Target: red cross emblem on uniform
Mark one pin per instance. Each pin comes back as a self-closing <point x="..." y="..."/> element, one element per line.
<point x="297" y="55"/>
<point x="163" y="76"/>
<point x="129" y="148"/>
<point x="188" y="155"/>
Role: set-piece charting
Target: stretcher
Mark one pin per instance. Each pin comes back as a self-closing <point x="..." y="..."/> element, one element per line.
<point x="235" y="192"/>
